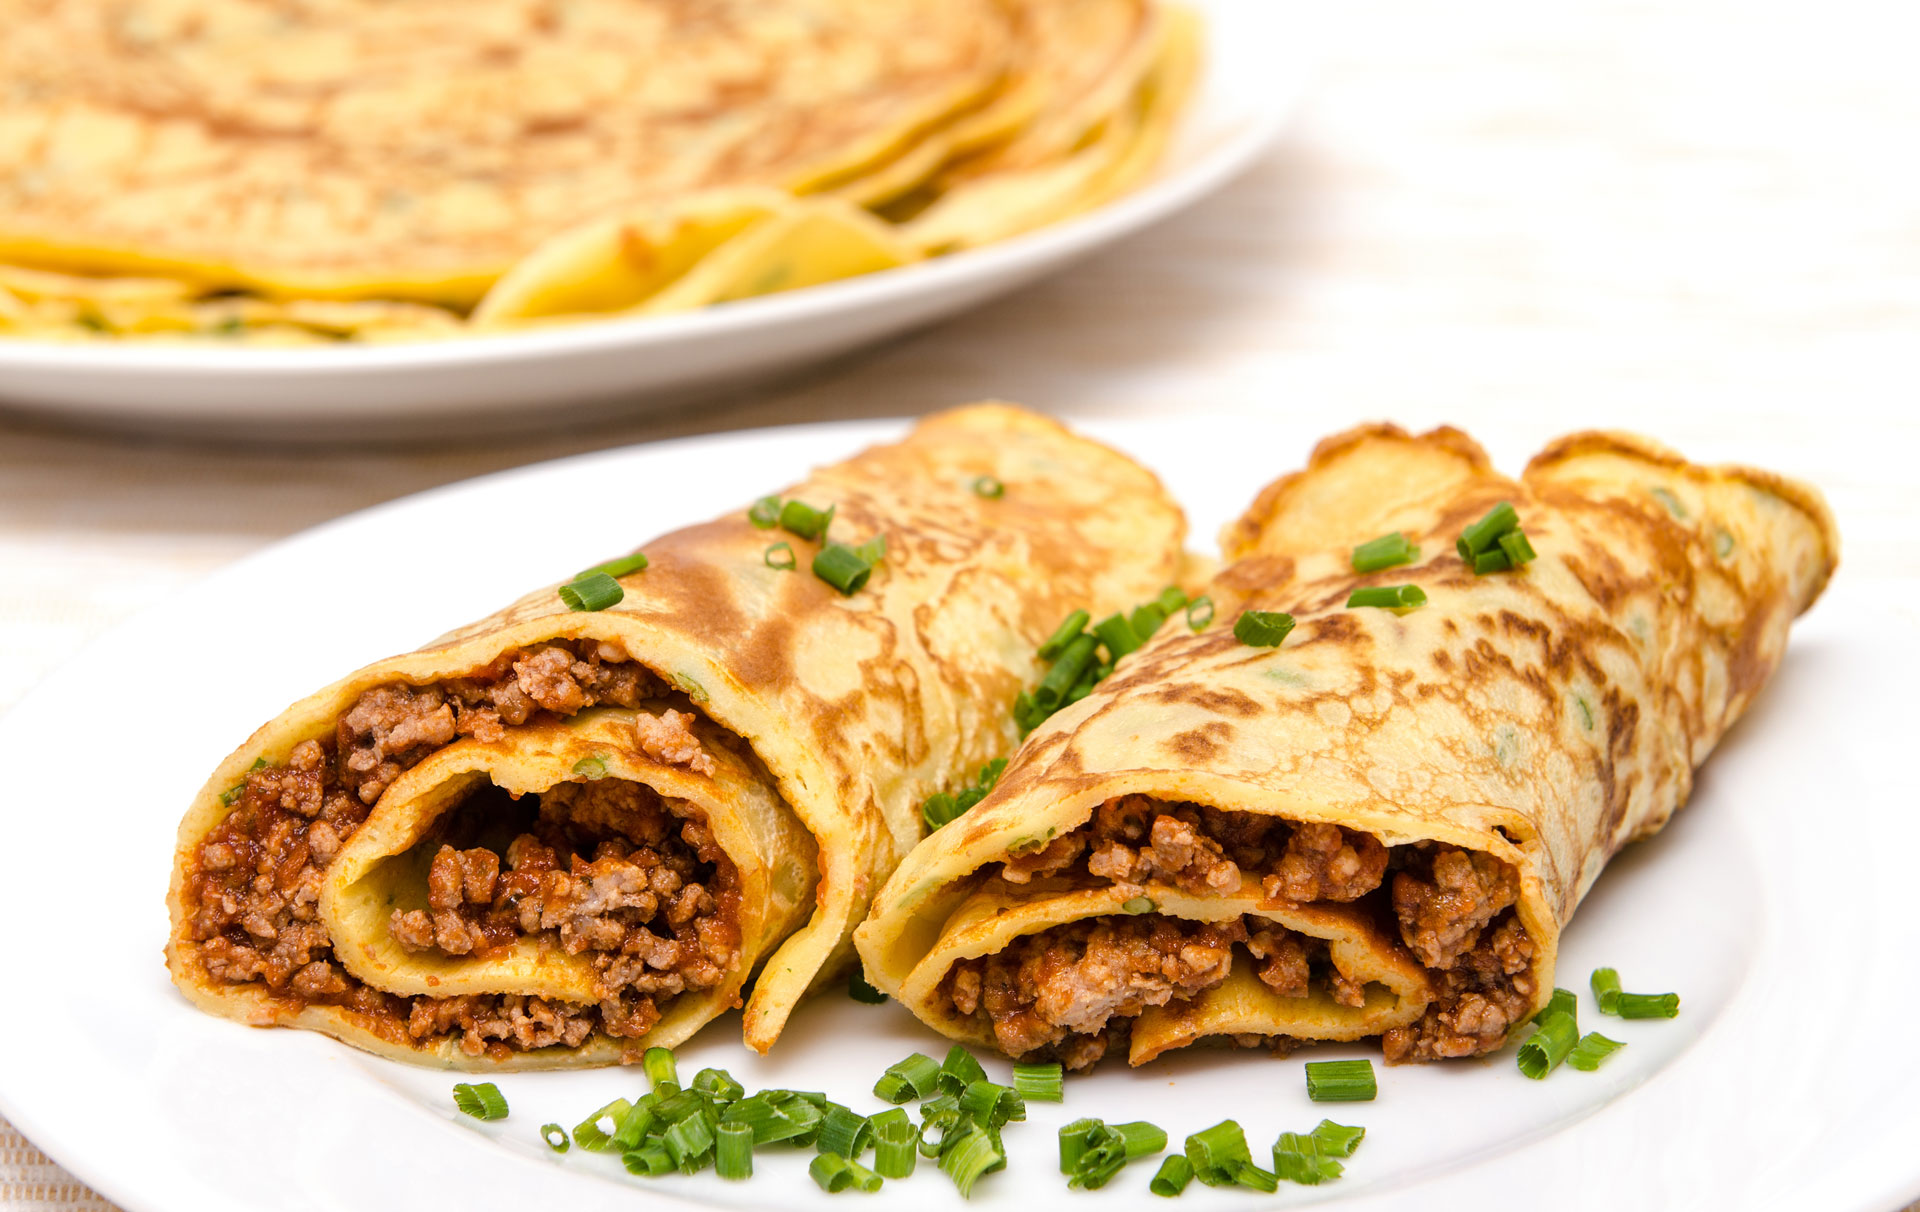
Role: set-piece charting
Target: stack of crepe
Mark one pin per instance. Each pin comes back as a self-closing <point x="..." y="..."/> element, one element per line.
<point x="244" y="171"/>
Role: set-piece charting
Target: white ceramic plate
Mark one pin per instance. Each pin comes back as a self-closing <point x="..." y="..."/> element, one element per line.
<point x="1257" y="53"/>
<point x="1777" y="905"/>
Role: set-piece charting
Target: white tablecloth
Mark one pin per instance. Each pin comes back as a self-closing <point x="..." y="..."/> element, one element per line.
<point x="1701" y="220"/>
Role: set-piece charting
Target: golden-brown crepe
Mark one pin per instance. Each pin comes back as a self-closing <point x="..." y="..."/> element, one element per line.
<point x="1380" y="827"/>
<point x="557" y="837"/>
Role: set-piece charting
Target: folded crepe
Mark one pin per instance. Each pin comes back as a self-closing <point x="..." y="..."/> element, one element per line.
<point x="1379" y="827"/>
<point x="557" y="837"/>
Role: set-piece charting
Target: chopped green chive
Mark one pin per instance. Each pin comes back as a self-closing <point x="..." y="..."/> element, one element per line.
<point x="596" y="591"/>
<point x="595" y="1132"/>
<point x="843" y="1131"/>
<point x="896" y="1150"/>
<point x="1102" y="1151"/>
<point x="1172" y="1177"/>
<point x="1606" y="990"/>
<point x="989" y="487"/>
<point x="873" y="551"/>
<point x="765" y="513"/>
<point x="842" y="567"/>
<point x="1145" y="620"/>
<point x="1253" y="1178"/>
<point x="658" y="1062"/>
<point x="718" y="1083"/>
<point x="832" y="1172"/>
<point x="1548" y="1045"/>
<point x="1384" y="552"/>
<point x="991" y="1104"/>
<point x="733" y="1151"/>
<point x="1562" y="1002"/>
<point x="689" y="1142"/>
<point x="1138" y="905"/>
<point x="590" y="768"/>
<point x="1485" y="533"/>
<point x="1389" y="597"/>
<point x="556" y="1137"/>
<point x="1217" y="1152"/>
<point x="1068" y="630"/>
<point x="1592" y="1050"/>
<point x="1025" y="714"/>
<point x="1040" y="1083"/>
<point x="959" y="1071"/>
<point x="1075" y="1139"/>
<point x="1649" y="1005"/>
<point x="970" y="1155"/>
<point x="797" y="517"/>
<point x="861" y="990"/>
<point x="616" y="568"/>
<point x="483" y="1101"/>
<point x="1491" y="561"/>
<point x="1117" y="634"/>
<point x="635" y="1124"/>
<point x="780" y="557"/>
<point x="1300" y="1158"/>
<point x="1347" y="1081"/>
<point x="1337" y="1140"/>
<point x="1199" y="613"/>
<point x="650" y="1160"/>
<point x="1171" y="598"/>
<point x="1053" y="688"/>
<point x="1517" y="548"/>
<point x="1262" y="628"/>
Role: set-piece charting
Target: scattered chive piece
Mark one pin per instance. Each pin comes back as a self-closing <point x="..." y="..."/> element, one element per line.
<point x="1252" y="1177"/>
<point x="1200" y="613"/>
<point x="733" y="1152"/>
<point x="1262" y="628"/>
<point x="1075" y="1139"/>
<point x="1347" y="1081"/>
<point x="1172" y="598"/>
<point x="1025" y="714"/>
<point x="1390" y="597"/>
<point x="843" y="1131"/>
<point x="865" y="1181"/>
<point x="1547" y="1046"/>
<point x="556" y="1137"/>
<point x="991" y="1104"/>
<point x="780" y="557"/>
<point x="1217" y="1152"/>
<point x="1384" y="552"/>
<point x="797" y="517"/>
<point x="1337" y="1140"/>
<point x="483" y="1101"/>
<point x="1108" y="1149"/>
<point x="1117" y="634"/>
<point x="1069" y="628"/>
<point x="1146" y="620"/>
<point x="873" y="551"/>
<point x="970" y="1155"/>
<point x="1517" y="548"/>
<point x="590" y="768"/>
<point x="616" y="568"/>
<point x="719" y="1083"/>
<point x="841" y="567"/>
<point x="1606" y="990"/>
<point x="1172" y="1177"/>
<point x="765" y="513"/>
<point x="1592" y="1050"/>
<point x="1298" y="1158"/>
<point x="689" y="1142"/>
<point x="1053" y="688"/>
<point x="959" y="1071"/>
<point x="635" y="1125"/>
<point x="861" y="990"/>
<point x="1649" y="1005"/>
<point x="594" y="592"/>
<point x="991" y="772"/>
<point x="1486" y="533"/>
<point x="896" y="1151"/>
<point x="831" y="1172"/>
<point x="1491" y="561"/>
<point x="989" y="487"/>
<point x="588" y="1133"/>
<point x="1562" y="1002"/>
<point x="1040" y="1083"/>
<point x="1138" y="905"/>
<point x="658" y="1062"/>
<point x="650" y="1159"/>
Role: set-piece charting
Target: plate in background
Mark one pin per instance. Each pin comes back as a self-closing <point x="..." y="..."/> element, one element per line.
<point x="1776" y="904"/>
<point x="1256" y="66"/>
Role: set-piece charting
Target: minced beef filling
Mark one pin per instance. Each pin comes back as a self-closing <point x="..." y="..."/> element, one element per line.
<point x="252" y="895"/>
<point x="1453" y="907"/>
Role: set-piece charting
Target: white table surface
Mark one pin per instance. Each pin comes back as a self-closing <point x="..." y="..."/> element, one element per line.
<point x="1700" y="220"/>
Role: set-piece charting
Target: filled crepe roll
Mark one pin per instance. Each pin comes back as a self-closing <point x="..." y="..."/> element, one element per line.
<point x="1377" y="824"/>
<point x="576" y="828"/>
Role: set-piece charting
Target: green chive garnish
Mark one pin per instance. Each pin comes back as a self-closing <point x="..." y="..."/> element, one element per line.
<point x="1384" y="552"/>
<point x="1025" y="714"/>
<point x="798" y="517"/>
<point x="1171" y="598"/>
<point x="1649" y="1005"/>
<point x="733" y="1151"/>
<point x="765" y="513"/>
<point x="1490" y="562"/>
<point x="972" y="1154"/>
<point x="658" y="1062"/>
<point x="1516" y="547"/>
<point x="873" y="551"/>
<point x="1253" y="1178"/>
<point x="1592" y="1050"/>
<point x="1347" y="1081"/>
<point x="650" y="1160"/>
<point x="1053" y="688"/>
<point x="861" y="990"/>
<point x="1390" y="597"/>
<point x="1138" y="905"/>
<point x="590" y="769"/>
<point x="988" y="487"/>
<point x="1262" y="628"/>
<point x="1548" y="1045"/>
<point x="1145" y="620"/>
<point x="1606" y="990"/>
<point x="1217" y="1152"/>
<point x="1068" y="630"/>
<point x="1040" y="1083"/>
<point x="1199" y="613"/>
<point x="719" y="1083"/>
<point x="483" y="1101"/>
<point x="1075" y="1139"/>
<point x="896" y="1150"/>
<point x="595" y="1132"/>
<point x="556" y="1137"/>
<point x="780" y="557"/>
<point x="1172" y="1177"/>
<point x="1485" y="534"/>
<point x="991" y="1104"/>
<point x="1117" y="634"/>
<point x="841" y="567"/>
<point x="616" y="568"/>
<point x="1337" y="1140"/>
<point x="596" y="591"/>
<point x="634" y="1126"/>
<point x="1103" y="1151"/>
<point x="844" y="1131"/>
<point x="690" y="1144"/>
<point x="831" y="1172"/>
<point x="1562" y="1002"/>
<point x="1302" y="1158"/>
<point x="959" y="1071"/>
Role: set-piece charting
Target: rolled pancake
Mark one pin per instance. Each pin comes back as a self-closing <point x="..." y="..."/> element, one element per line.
<point x="1418" y="798"/>
<point x="747" y="727"/>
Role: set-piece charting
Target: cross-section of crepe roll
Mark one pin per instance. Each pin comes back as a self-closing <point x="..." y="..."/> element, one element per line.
<point x="1380" y="825"/>
<point x="557" y="837"/>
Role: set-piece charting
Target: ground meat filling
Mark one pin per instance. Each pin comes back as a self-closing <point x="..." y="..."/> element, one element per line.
<point x="1453" y="908"/>
<point x="654" y="906"/>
